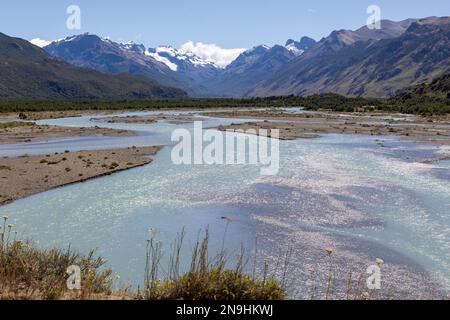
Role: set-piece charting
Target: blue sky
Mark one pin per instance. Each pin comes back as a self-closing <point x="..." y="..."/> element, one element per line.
<point x="227" y="23"/>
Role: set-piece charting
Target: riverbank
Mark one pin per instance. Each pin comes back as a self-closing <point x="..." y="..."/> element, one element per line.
<point x="22" y="131"/>
<point x="145" y="119"/>
<point x="314" y="124"/>
<point x="40" y="115"/>
<point x="23" y="176"/>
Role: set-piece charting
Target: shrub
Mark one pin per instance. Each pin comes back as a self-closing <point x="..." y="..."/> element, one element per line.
<point x="216" y="284"/>
<point x="27" y="272"/>
<point x="207" y="279"/>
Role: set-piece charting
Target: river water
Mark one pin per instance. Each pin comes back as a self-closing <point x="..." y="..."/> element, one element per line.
<point x="365" y="197"/>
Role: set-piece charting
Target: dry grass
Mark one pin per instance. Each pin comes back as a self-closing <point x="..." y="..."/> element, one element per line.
<point x="27" y="272"/>
<point x="208" y="278"/>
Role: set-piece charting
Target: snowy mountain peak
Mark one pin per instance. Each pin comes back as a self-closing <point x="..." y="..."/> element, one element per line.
<point x="260" y="48"/>
<point x="161" y="58"/>
<point x="294" y="49"/>
<point x="299" y="47"/>
<point x="134" y="47"/>
<point x="174" y="59"/>
<point x="167" y="50"/>
<point x="190" y="55"/>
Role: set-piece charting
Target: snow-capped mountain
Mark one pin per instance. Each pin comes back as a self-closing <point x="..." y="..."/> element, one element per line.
<point x="104" y="55"/>
<point x="253" y="65"/>
<point x="168" y="56"/>
<point x="299" y="47"/>
<point x="177" y="58"/>
<point x="166" y="65"/>
<point x="182" y="68"/>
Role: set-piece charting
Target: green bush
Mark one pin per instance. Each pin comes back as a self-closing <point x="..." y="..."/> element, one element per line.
<point x="206" y="279"/>
<point x="217" y="284"/>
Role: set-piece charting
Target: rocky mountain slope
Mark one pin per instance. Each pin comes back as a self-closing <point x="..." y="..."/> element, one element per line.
<point x="248" y="70"/>
<point x="367" y="62"/>
<point x="438" y="88"/>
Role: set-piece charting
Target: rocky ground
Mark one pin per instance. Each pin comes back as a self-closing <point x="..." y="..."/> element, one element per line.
<point x="27" y="175"/>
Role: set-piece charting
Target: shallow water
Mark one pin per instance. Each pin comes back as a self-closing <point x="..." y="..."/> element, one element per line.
<point x="364" y="197"/>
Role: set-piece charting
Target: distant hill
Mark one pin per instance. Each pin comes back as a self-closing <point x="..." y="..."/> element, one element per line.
<point x="28" y="72"/>
<point x="373" y="63"/>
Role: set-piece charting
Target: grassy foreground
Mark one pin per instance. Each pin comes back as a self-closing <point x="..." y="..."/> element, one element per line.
<point x="27" y="272"/>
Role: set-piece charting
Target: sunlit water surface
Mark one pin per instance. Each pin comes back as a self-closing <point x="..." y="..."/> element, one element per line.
<point x="362" y="195"/>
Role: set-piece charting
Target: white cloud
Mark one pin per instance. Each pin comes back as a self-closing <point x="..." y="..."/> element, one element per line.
<point x="212" y="53"/>
<point x="40" y="42"/>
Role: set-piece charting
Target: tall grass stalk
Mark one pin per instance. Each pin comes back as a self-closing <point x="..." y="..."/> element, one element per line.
<point x="210" y="276"/>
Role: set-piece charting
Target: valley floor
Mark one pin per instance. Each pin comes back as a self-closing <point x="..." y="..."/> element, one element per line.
<point x="27" y="175"/>
<point x="23" y="176"/>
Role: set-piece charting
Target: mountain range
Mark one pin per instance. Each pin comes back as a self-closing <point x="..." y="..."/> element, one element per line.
<point x="178" y="68"/>
<point x="27" y="71"/>
<point x="375" y="63"/>
<point x="363" y="62"/>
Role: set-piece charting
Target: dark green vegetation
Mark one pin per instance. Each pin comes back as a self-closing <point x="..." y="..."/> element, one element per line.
<point x="28" y="72"/>
<point x="154" y="104"/>
<point x="426" y="99"/>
